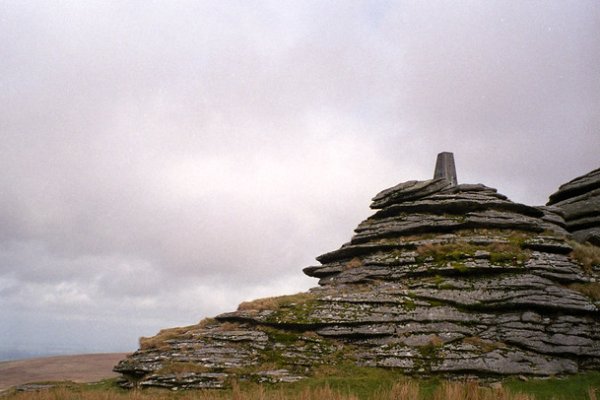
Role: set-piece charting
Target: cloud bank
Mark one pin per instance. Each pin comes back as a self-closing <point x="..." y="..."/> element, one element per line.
<point x="164" y="161"/>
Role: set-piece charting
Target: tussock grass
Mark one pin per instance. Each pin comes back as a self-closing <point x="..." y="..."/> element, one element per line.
<point x="274" y="303"/>
<point x="586" y="254"/>
<point x="160" y="340"/>
<point x="592" y="289"/>
<point x="584" y="387"/>
<point x="354" y="263"/>
<point x="206" y="322"/>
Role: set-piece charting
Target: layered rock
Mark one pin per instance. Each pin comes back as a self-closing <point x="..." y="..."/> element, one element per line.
<point x="579" y="200"/>
<point x="442" y="278"/>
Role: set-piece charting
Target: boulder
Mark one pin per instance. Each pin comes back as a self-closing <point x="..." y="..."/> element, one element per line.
<point x="442" y="279"/>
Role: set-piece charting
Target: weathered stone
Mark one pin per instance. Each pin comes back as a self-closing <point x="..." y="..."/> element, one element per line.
<point x="553" y="220"/>
<point x="410" y="224"/>
<point x="579" y="201"/>
<point x="457" y="204"/>
<point x="590" y="235"/>
<point x="190" y="380"/>
<point x="278" y="376"/>
<point x="548" y="245"/>
<point x="443" y="278"/>
<point x="445" y="168"/>
<point x="580" y="185"/>
<point x="410" y="190"/>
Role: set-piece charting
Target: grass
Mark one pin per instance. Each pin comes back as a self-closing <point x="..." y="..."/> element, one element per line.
<point x="274" y="303"/>
<point x="586" y="254"/>
<point x="160" y="341"/>
<point x="499" y="253"/>
<point x="353" y="383"/>
<point x="591" y="290"/>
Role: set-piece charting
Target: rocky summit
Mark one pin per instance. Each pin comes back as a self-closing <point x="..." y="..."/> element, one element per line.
<point x="443" y="278"/>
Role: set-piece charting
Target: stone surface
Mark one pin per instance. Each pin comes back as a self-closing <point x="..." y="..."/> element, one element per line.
<point x="442" y="279"/>
<point x="445" y="168"/>
<point x="579" y="201"/>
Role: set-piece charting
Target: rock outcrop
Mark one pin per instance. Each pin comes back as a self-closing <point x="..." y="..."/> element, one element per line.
<point x="441" y="279"/>
<point x="579" y="200"/>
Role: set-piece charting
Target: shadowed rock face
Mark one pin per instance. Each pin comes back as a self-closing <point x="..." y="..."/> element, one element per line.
<point x="579" y="200"/>
<point x="442" y="278"/>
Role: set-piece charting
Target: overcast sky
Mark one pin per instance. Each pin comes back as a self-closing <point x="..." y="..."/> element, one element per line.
<point x="163" y="161"/>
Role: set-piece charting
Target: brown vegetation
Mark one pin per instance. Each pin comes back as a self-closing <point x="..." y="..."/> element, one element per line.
<point x="588" y="255"/>
<point x="160" y="340"/>
<point x="273" y="303"/>
<point x="592" y="289"/>
<point x="403" y="390"/>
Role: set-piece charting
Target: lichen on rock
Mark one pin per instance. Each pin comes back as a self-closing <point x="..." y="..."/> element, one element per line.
<point x="441" y="279"/>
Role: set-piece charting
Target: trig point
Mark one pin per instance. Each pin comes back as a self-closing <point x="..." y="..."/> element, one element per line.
<point x="444" y="167"/>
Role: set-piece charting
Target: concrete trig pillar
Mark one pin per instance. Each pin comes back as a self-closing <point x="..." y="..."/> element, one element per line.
<point x="444" y="167"/>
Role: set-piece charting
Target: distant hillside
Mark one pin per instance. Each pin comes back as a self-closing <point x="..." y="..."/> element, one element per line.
<point x="79" y="368"/>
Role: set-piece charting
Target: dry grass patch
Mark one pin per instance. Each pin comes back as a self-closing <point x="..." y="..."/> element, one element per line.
<point x="472" y="391"/>
<point x="274" y="303"/>
<point x="160" y="340"/>
<point x="206" y="322"/>
<point x="586" y="254"/>
<point x="591" y="290"/>
<point x="354" y="263"/>
<point x="402" y="390"/>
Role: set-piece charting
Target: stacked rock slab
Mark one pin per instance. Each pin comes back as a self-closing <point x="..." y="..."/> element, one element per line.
<point x="442" y="279"/>
<point x="579" y="200"/>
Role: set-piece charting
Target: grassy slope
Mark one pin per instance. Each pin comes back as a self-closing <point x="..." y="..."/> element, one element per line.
<point x="353" y="384"/>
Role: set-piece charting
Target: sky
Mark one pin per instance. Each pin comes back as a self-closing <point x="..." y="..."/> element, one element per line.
<point x="163" y="161"/>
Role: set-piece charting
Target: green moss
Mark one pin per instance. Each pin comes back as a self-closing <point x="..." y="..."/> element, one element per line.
<point x="294" y="313"/>
<point x="517" y="238"/>
<point x="430" y="355"/>
<point x="501" y="257"/>
<point x="409" y="305"/>
<point x="508" y="249"/>
<point x="275" y="358"/>
<point x="281" y="336"/>
<point x="446" y="286"/>
<point x="435" y="303"/>
<point x="460" y="267"/>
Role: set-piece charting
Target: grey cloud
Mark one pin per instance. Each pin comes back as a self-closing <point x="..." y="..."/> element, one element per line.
<point x="168" y="160"/>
